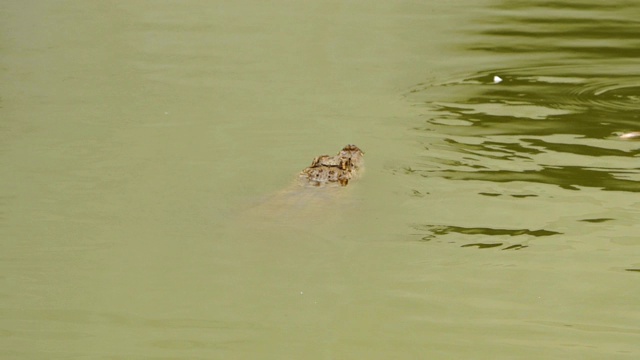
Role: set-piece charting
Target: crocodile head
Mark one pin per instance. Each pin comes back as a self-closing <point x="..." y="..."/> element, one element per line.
<point x="337" y="169"/>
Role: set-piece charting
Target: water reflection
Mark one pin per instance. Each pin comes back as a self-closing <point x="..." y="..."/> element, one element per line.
<point x="440" y="231"/>
<point x="593" y="101"/>
<point x="564" y="27"/>
<point x="568" y="87"/>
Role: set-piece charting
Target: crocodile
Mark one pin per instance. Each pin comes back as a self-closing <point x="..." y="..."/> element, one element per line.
<point x="326" y="170"/>
<point x="316" y="196"/>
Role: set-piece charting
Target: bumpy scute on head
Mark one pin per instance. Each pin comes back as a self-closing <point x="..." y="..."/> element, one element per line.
<point x="338" y="169"/>
<point x="326" y="160"/>
<point x="353" y="154"/>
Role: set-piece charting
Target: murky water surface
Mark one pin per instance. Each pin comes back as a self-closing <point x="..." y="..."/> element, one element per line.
<point x="149" y="153"/>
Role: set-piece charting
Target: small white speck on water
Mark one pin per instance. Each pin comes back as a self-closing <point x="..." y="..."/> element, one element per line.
<point x="634" y="135"/>
<point x="301" y="293"/>
<point x="497" y="79"/>
<point x="166" y="113"/>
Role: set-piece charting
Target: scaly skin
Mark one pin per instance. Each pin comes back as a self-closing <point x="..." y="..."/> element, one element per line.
<point x="337" y="169"/>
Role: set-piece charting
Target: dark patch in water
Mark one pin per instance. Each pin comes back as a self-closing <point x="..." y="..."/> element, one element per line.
<point x="438" y="230"/>
<point x="597" y="220"/>
<point x="483" y="246"/>
<point x="443" y="230"/>
<point x="566" y="177"/>
<point x="489" y="194"/>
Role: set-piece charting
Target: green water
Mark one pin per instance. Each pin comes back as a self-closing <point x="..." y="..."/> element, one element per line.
<point x="149" y="152"/>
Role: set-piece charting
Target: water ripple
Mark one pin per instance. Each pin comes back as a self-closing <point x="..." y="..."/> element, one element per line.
<point x="519" y="125"/>
<point x="565" y="28"/>
<point x="436" y="231"/>
<point x="554" y="125"/>
<point x="527" y="139"/>
<point x="618" y="94"/>
<point x="540" y="91"/>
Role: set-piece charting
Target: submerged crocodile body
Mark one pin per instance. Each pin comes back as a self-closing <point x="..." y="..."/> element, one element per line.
<point x="316" y="197"/>
<point x="334" y="170"/>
